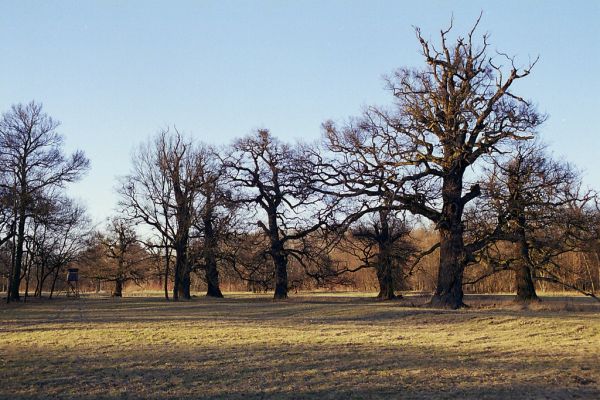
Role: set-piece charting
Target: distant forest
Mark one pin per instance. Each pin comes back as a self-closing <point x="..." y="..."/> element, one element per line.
<point x="448" y="189"/>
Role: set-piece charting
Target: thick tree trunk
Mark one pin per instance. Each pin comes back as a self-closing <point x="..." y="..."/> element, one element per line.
<point x="385" y="278"/>
<point x="186" y="284"/>
<point x="523" y="272"/>
<point x="281" y="276"/>
<point x="281" y="279"/>
<point x="181" y="288"/>
<point x="385" y="272"/>
<point x="118" y="292"/>
<point x="524" y="283"/>
<point x="449" y="291"/>
<point x="523" y="279"/>
<point x="212" y="279"/>
<point x="279" y="257"/>
<point x="182" y="274"/>
<point x="210" y="260"/>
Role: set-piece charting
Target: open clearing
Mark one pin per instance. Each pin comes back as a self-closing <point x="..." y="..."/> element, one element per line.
<point x="321" y="347"/>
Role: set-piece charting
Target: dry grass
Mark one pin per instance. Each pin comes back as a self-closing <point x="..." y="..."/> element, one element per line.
<point x="322" y="347"/>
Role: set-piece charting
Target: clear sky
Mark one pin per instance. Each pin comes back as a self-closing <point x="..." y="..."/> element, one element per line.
<point x="115" y="72"/>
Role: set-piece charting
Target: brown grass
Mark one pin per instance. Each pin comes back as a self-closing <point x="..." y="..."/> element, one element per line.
<point x="318" y="346"/>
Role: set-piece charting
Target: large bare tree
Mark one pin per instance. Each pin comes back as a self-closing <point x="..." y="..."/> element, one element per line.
<point x="534" y="204"/>
<point x="447" y="116"/>
<point x="161" y="192"/>
<point x="31" y="153"/>
<point x="270" y="178"/>
<point x="215" y="212"/>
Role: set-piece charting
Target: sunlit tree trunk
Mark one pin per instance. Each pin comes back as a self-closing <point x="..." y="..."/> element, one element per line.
<point x="449" y="291"/>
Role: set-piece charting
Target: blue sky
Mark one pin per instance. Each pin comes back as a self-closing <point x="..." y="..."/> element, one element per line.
<point x="115" y="72"/>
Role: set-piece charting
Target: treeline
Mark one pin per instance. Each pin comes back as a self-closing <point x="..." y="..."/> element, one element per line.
<point x="448" y="188"/>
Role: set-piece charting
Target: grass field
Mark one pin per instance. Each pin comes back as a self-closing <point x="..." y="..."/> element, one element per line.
<point x="321" y="347"/>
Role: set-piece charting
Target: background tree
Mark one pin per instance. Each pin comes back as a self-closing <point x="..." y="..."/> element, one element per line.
<point x="269" y="178"/>
<point x="382" y="242"/>
<point x="361" y="170"/>
<point x="531" y="213"/>
<point x="31" y="152"/>
<point x="215" y="212"/>
<point x="122" y="258"/>
<point x="60" y="235"/>
<point x="164" y="191"/>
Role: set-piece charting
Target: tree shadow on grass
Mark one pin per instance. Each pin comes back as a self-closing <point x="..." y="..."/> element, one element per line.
<point x="292" y="371"/>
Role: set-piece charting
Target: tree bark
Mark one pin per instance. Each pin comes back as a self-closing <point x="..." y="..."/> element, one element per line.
<point x="281" y="279"/>
<point x="524" y="283"/>
<point x="210" y="261"/>
<point x="385" y="273"/>
<point x="523" y="279"/>
<point x="186" y="283"/>
<point x="385" y="278"/>
<point x="449" y="291"/>
<point x="182" y="269"/>
<point x="281" y="276"/>
<point x="182" y="273"/>
<point x="212" y="279"/>
<point x="118" y="292"/>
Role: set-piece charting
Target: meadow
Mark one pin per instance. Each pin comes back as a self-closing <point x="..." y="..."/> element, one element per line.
<point x="310" y="346"/>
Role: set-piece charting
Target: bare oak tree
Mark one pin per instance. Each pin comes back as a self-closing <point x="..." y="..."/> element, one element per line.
<point x="537" y="207"/>
<point x="269" y="177"/>
<point x="446" y="117"/>
<point x="161" y="192"/>
<point x="121" y="255"/>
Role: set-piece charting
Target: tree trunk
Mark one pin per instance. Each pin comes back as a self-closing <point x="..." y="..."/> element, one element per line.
<point x="385" y="273"/>
<point x="210" y="261"/>
<point x="16" y="270"/>
<point x="167" y="264"/>
<point x="176" y="282"/>
<point x="27" y="278"/>
<point x="54" y="279"/>
<point x="523" y="279"/>
<point x="386" y="283"/>
<point x="523" y="268"/>
<point x="41" y="280"/>
<point x="118" y="292"/>
<point x="281" y="277"/>
<point x="182" y="274"/>
<point x="212" y="280"/>
<point x="279" y="257"/>
<point x="186" y="283"/>
<point x="449" y="291"/>
<point x="524" y="283"/>
<point x="181" y="287"/>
